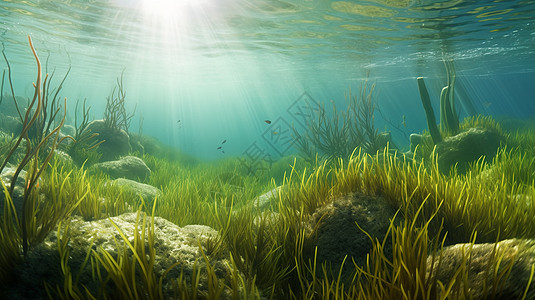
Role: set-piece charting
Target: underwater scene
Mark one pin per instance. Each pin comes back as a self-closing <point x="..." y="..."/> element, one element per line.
<point x="267" y="149"/>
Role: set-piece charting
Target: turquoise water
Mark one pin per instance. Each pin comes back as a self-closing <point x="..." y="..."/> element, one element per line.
<point x="200" y="72"/>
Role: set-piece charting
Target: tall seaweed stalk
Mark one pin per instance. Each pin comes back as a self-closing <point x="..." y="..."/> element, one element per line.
<point x="115" y="115"/>
<point x="2" y="87"/>
<point x="449" y="119"/>
<point x="48" y="116"/>
<point x="46" y="141"/>
<point x="84" y="141"/>
<point x="10" y="83"/>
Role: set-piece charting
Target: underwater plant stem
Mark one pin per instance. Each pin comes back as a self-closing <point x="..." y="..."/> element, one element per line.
<point x="2" y="87"/>
<point x="11" y="84"/>
<point x="37" y="94"/>
<point x="454" y="121"/>
<point x="429" y="113"/>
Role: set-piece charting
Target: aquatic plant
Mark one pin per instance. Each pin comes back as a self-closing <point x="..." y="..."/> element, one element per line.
<point x="115" y="115"/>
<point x="10" y="80"/>
<point x="429" y="113"/>
<point x="33" y="147"/>
<point x="71" y="287"/>
<point x="337" y="134"/>
<point x="2" y="85"/>
<point x="48" y="115"/>
<point x="449" y="118"/>
<point x="84" y="144"/>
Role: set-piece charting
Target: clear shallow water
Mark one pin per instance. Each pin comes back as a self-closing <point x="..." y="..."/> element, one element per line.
<point x="223" y="67"/>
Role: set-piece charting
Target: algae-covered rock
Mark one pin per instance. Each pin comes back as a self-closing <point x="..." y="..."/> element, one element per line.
<point x="263" y="201"/>
<point x="145" y="144"/>
<point x="172" y="244"/>
<point x="481" y="269"/>
<point x="129" y="167"/>
<point x="466" y="147"/>
<point x="337" y="234"/>
<point x="384" y="139"/>
<point x="116" y="141"/>
<point x="7" y="176"/>
<point x="10" y="124"/>
<point x="63" y="157"/>
<point x="69" y="130"/>
<point x="418" y="140"/>
<point x="147" y="192"/>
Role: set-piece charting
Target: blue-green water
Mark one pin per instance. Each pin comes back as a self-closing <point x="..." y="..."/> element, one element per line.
<point x="202" y="71"/>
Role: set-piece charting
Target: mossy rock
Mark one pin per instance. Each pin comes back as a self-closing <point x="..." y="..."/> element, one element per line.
<point x="136" y="189"/>
<point x="68" y="130"/>
<point x="116" y="142"/>
<point x="481" y="260"/>
<point x="145" y="144"/>
<point x="419" y="140"/>
<point x="337" y="235"/>
<point x="172" y="244"/>
<point x="10" y="124"/>
<point x="129" y="167"/>
<point x="264" y="201"/>
<point x="18" y="192"/>
<point x="466" y="147"/>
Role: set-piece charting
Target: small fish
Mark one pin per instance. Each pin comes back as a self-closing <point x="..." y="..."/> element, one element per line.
<point x="178" y="121"/>
<point x="268" y="121"/>
<point x="224" y="141"/>
<point x="218" y="147"/>
<point x="274" y="132"/>
<point x="223" y="151"/>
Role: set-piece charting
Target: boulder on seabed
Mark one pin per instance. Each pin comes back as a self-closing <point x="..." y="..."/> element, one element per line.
<point x="10" y="124"/>
<point x="465" y="147"/>
<point x="145" y="191"/>
<point x="129" y="167"/>
<point x="172" y="245"/>
<point x="518" y="253"/>
<point x="116" y="141"/>
<point x="69" y="130"/>
<point x="337" y="235"/>
<point x="263" y="201"/>
<point x="7" y="176"/>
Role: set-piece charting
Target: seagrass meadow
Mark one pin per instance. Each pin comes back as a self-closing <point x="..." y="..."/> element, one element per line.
<point x="267" y="149"/>
<point x="270" y="252"/>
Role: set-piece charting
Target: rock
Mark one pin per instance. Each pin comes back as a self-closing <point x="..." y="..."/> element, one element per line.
<point x="8" y="105"/>
<point x="6" y="176"/>
<point x="147" y="192"/>
<point x="417" y="139"/>
<point x="63" y="157"/>
<point x="116" y="141"/>
<point x="384" y="139"/>
<point x="69" y="130"/>
<point x="480" y="275"/>
<point x="466" y="147"/>
<point x="10" y="124"/>
<point x="337" y="234"/>
<point x="129" y="167"/>
<point x="145" y="144"/>
<point x="172" y="244"/>
<point x="263" y="201"/>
